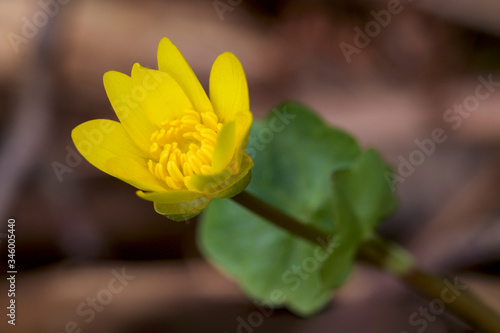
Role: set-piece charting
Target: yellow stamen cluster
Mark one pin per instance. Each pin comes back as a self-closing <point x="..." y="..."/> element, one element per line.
<point x="184" y="147"/>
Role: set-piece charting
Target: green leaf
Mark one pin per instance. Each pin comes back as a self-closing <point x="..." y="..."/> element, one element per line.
<point x="366" y="190"/>
<point x="348" y="236"/>
<point x="295" y="154"/>
<point x="266" y="261"/>
<point x="362" y="198"/>
<point x="297" y="159"/>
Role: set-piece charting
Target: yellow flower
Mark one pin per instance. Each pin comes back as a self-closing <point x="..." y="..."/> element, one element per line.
<point x="177" y="146"/>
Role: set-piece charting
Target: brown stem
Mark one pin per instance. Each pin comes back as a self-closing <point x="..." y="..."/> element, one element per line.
<point x="389" y="257"/>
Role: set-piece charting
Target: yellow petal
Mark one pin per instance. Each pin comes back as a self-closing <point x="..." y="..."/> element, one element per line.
<point x="161" y="96"/>
<point x="243" y="126"/>
<point x="224" y="148"/>
<point x="100" y="141"/>
<point x="169" y="197"/>
<point x="128" y="109"/>
<point x="211" y="185"/>
<point x="228" y="87"/>
<point x="171" y="61"/>
<point x="134" y="172"/>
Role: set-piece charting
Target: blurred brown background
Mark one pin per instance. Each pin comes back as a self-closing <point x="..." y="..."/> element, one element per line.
<point x="75" y="226"/>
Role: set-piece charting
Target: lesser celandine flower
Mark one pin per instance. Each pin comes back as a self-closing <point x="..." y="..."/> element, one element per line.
<point x="179" y="147"/>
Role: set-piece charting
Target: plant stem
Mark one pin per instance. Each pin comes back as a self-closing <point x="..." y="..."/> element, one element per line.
<point x="279" y="218"/>
<point x="465" y="305"/>
<point x="391" y="258"/>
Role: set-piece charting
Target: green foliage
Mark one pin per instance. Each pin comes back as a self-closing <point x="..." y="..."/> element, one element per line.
<point x="297" y="159"/>
<point x="361" y="199"/>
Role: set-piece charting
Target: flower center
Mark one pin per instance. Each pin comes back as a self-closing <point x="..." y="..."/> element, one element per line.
<point x="184" y="147"/>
